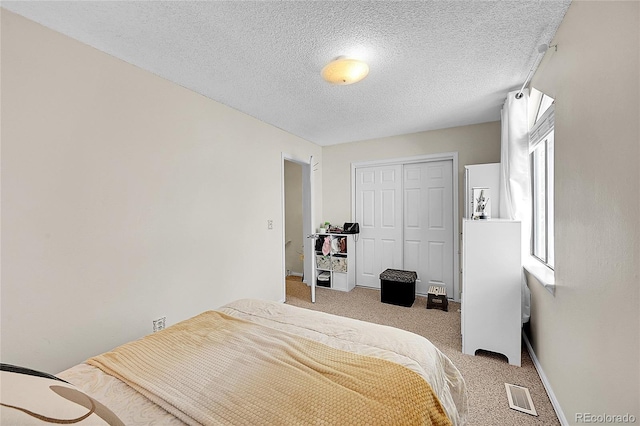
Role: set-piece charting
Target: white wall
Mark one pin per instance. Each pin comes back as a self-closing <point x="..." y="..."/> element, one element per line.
<point x="475" y="144"/>
<point x="586" y="337"/>
<point x="125" y="198"/>
<point x="293" y="217"/>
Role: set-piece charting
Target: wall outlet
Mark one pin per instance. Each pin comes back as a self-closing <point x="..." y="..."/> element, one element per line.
<point x="269" y="224"/>
<point x="158" y="324"/>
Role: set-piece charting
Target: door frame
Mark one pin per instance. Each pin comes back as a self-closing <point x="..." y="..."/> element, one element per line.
<point x="426" y="158"/>
<point x="307" y="221"/>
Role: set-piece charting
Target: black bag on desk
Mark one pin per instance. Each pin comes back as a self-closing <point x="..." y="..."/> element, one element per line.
<point x="351" y="228"/>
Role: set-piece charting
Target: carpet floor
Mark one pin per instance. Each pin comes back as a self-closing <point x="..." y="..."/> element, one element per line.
<point x="485" y="374"/>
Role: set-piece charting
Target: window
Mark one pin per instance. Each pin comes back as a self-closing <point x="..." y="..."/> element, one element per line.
<point x="541" y="153"/>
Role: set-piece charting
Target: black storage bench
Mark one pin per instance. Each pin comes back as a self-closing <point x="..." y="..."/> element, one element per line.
<point x="398" y="287"/>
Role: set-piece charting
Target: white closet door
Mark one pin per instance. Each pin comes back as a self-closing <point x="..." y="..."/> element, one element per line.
<point x="379" y="213"/>
<point x="428" y="224"/>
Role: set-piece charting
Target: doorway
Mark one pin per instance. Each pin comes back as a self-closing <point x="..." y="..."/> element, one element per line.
<point x="407" y="210"/>
<point x="297" y="219"/>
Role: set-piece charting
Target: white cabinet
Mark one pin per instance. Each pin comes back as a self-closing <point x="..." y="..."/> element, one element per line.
<point x="491" y="289"/>
<point x="337" y="265"/>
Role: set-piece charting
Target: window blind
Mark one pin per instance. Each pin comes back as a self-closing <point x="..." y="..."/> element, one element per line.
<point x="542" y="128"/>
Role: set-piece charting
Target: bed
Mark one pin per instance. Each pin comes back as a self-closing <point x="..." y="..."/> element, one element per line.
<point x="259" y="362"/>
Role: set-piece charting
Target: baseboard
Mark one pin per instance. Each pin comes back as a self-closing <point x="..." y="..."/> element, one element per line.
<point x="296" y="274"/>
<point x="545" y="382"/>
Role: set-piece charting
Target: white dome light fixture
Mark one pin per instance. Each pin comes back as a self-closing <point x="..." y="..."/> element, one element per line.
<point x="343" y="71"/>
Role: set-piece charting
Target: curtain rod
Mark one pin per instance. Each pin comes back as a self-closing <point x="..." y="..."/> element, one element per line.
<point x="541" y="51"/>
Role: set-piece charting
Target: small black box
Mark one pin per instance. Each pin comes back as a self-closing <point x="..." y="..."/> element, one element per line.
<point x="324" y="279"/>
<point x="398" y="287"/>
<point x="323" y="283"/>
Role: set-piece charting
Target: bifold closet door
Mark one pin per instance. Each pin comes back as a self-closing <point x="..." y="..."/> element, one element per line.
<point x="428" y="223"/>
<point x="406" y="222"/>
<point x="379" y="213"/>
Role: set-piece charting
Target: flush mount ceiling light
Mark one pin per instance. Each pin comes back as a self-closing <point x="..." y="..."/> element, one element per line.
<point x="345" y="71"/>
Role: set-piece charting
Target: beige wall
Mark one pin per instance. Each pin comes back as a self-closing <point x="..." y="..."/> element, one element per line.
<point x="586" y="337"/>
<point x="293" y="217"/>
<point x="125" y="198"/>
<point x="475" y="144"/>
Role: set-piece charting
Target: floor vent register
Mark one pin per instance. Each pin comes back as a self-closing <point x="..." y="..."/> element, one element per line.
<point x="520" y="399"/>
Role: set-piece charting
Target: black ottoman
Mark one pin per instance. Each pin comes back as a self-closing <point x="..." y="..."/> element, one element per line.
<point x="398" y="287"/>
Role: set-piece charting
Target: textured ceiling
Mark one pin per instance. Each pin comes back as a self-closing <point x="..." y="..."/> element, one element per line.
<point x="433" y="64"/>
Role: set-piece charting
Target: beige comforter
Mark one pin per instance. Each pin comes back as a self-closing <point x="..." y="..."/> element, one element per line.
<point x="408" y="349"/>
<point x="217" y="369"/>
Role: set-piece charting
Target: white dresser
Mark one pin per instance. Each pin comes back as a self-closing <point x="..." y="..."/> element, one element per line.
<point x="491" y="289"/>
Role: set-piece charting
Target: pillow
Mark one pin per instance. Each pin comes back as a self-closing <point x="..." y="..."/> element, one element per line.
<point x="29" y="397"/>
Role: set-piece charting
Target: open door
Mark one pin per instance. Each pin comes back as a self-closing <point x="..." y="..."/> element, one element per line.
<point x="310" y="242"/>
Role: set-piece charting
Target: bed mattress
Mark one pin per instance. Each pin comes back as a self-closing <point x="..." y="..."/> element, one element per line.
<point x="410" y="350"/>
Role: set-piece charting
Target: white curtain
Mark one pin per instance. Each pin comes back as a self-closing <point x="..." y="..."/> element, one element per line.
<point x="515" y="186"/>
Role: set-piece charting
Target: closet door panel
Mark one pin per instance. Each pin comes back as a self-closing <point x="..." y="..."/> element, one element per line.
<point x="428" y="224"/>
<point x="367" y="248"/>
<point x="379" y="212"/>
<point x="437" y="263"/>
<point x="412" y="255"/>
